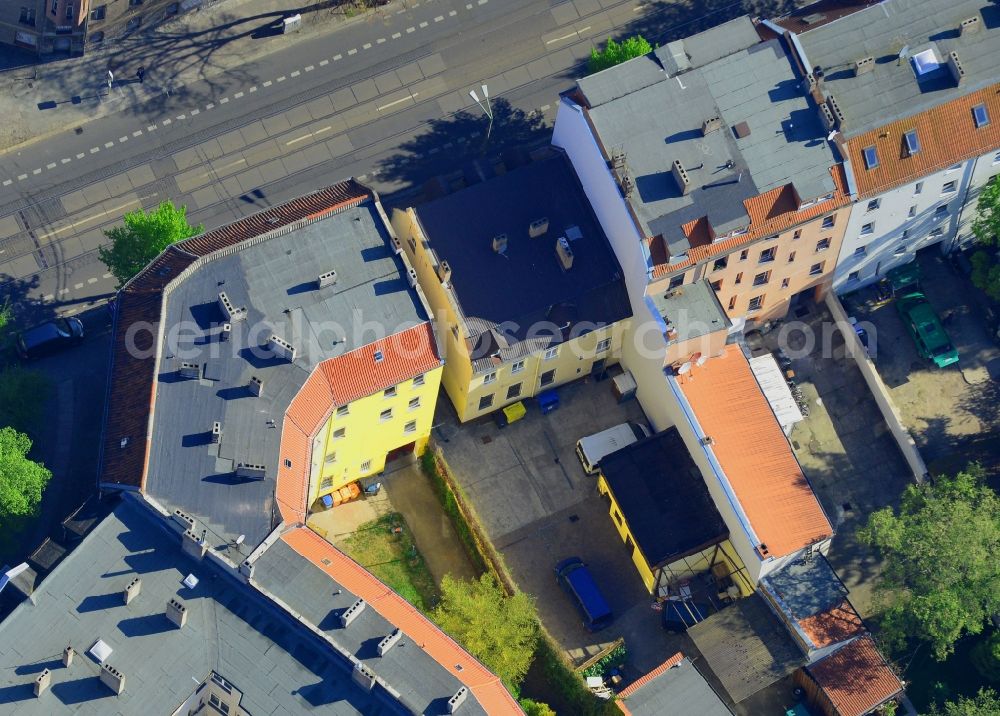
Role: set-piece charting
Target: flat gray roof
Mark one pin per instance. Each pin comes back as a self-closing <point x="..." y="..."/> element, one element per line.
<point x="891" y="90"/>
<point x="679" y="689"/>
<point x="278" y="664"/>
<point x="693" y="310"/>
<point x="276" y="280"/>
<point x="661" y="123"/>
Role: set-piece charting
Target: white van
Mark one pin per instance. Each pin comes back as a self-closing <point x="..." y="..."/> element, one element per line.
<point x="593" y="448"/>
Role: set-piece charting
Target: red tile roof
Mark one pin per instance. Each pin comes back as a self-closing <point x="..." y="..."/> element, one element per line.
<point x="484" y="685"/>
<point x="131" y="386"/>
<point x="754" y="454"/>
<point x="947" y="135"/>
<point x="643" y="680"/>
<point x="856" y="678"/>
<point x="832" y="626"/>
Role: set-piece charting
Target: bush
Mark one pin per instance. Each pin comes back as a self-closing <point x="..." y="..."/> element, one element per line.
<point x="985" y="656"/>
<point x="568" y="690"/>
<point x="614" y="658"/>
<point x="536" y="708"/>
<point x="615" y="53"/>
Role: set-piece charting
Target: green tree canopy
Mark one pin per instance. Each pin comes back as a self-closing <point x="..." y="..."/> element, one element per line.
<point x="940" y="568"/>
<point x="21" y="480"/>
<point x="498" y="630"/>
<point x="143" y="237"/>
<point x="986" y="229"/>
<point x="614" y="53"/>
<point x="536" y="708"/>
<point x="985" y="703"/>
<point x="22" y="394"/>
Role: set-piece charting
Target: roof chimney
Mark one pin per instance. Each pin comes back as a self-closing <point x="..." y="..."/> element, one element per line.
<point x="397" y="245"/>
<point x="256" y="386"/>
<point x="500" y="244"/>
<point x="112" y="678"/>
<point x="955" y="68"/>
<point x="227" y="330"/>
<point x="192" y="545"/>
<point x="680" y="176"/>
<point x="185" y="520"/>
<point x="43" y="681"/>
<point x="189" y="370"/>
<point x="326" y="279"/>
<point x="216" y="432"/>
<point x="457" y="700"/>
<point x="363" y="676"/>
<point x="565" y="253"/>
<point x="444" y="271"/>
<point x="710" y="125"/>
<point x="970" y="25"/>
<point x="388" y="642"/>
<point x="411" y="277"/>
<point x="351" y="613"/>
<point x="68" y="655"/>
<point x="538" y="227"/>
<point x="836" y="111"/>
<point x="251" y="471"/>
<point x="863" y="65"/>
<point x="132" y="590"/>
<point x="177" y="613"/>
<point x="231" y="313"/>
<point x="281" y="348"/>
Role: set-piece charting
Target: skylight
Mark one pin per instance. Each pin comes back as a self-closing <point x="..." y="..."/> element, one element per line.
<point x="871" y="157"/>
<point x="912" y="142"/>
<point x="980" y="115"/>
<point x="379" y="356"/>
<point x="926" y="61"/>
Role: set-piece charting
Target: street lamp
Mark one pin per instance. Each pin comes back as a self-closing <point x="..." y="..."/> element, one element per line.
<point x="484" y="105"/>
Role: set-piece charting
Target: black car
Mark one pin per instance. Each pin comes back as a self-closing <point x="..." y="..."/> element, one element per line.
<point x="49" y="337"/>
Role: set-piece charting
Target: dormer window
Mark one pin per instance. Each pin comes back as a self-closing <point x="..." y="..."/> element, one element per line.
<point x="912" y="142"/>
<point x="870" y="155"/>
<point x="980" y="115"/>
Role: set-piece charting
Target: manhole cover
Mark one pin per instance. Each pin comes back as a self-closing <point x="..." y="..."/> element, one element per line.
<point x="78" y="130"/>
<point x="486" y="439"/>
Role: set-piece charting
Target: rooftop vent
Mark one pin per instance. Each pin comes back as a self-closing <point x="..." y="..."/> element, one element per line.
<point x="100" y="651"/>
<point x="456" y="701"/>
<point x="352" y="612"/>
<point x="216" y="432"/>
<point x="112" y="678"/>
<point x="500" y="244"/>
<point x="444" y="271"/>
<point x="132" y="590"/>
<point x="42" y="682"/>
<point x="970" y="25"/>
<point x="741" y="130"/>
<point x="281" y="348"/>
<point x="710" y="125"/>
<point x="925" y="62"/>
<point x="836" y="111"/>
<point x="251" y="471"/>
<point x="256" y="386"/>
<point x="231" y="313"/>
<point x="388" y="642"/>
<point x="193" y="545"/>
<point x="185" y="520"/>
<point x="827" y="117"/>
<point x="538" y="227"/>
<point x="955" y="68"/>
<point x="363" y="676"/>
<point x="177" y="613"/>
<point x="227" y="330"/>
<point x="67" y="656"/>
<point x="565" y="253"/>
<point x="379" y="356"/>
<point x="863" y="65"/>
<point x="189" y="370"/>
<point x="397" y="245"/>
<point x="411" y="277"/>
<point x="326" y="279"/>
<point x="680" y="176"/>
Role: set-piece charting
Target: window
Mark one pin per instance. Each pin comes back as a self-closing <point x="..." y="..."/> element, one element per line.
<point x="517" y="367"/>
<point x="868" y="229"/>
<point x="27" y="16"/>
<point x="331" y="458"/>
<point x="418" y="381"/>
<point x="906" y="232"/>
<point x="617" y="515"/>
<point x="816" y="269"/>
<point x="486" y="401"/>
<point x="954" y="167"/>
<point x="69" y="12"/>
<point x="937" y="232"/>
<point x="410" y="427"/>
<point x="912" y="142"/>
<point x="784" y="283"/>
<point x="218" y="703"/>
<point x="379" y="356"/>
<point x="343" y="410"/>
<point x="413" y="404"/>
<point x="732" y="303"/>
<point x="548" y="377"/>
<point x="55" y="6"/>
<point x="755" y="303"/>
<point x="828" y="221"/>
<point x="603" y="345"/>
<point x="798" y="232"/>
<point x="339" y="433"/>
<point x="133" y="24"/>
<point x="385" y="415"/>
<point x="899" y="251"/>
<point x="762" y="278"/>
<point x="551" y="353"/>
<point x="326" y="483"/>
<point x="854" y="276"/>
<point x="513" y="391"/>
<point x="918" y="188"/>
<point x="822" y="245"/>
<point x="949" y="187"/>
<point x="717" y="285"/>
<point x="743" y="254"/>
<point x="99" y="12"/>
<point x="996" y="158"/>
<point x="366" y="466"/>
<point x="861" y="251"/>
<point x="720" y="263"/>
<point x="940" y="210"/>
<point x="490" y="378"/>
<point x="980" y="116"/>
<point x="676" y="282"/>
<point x="874" y="204"/>
<point x="870" y="155"/>
<point x="739" y="278"/>
<point x="288" y="463"/>
<point x="791" y="256"/>
<point x="389" y="392"/>
<point x="913" y="211"/>
<point x="767" y="255"/>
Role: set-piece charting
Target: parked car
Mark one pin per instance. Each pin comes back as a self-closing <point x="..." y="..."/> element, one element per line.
<point x="49" y="337"/>
<point x="594" y="448"/>
<point x="573" y="575"/>
<point x="926" y="330"/>
<point x="904" y="279"/>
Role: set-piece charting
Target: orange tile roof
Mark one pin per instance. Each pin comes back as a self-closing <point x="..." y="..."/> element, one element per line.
<point x="770" y="213"/>
<point x="832" y="626"/>
<point x="484" y="685"/>
<point x="856" y="678"/>
<point x="946" y="133"/>
<point x="754" y="453"/>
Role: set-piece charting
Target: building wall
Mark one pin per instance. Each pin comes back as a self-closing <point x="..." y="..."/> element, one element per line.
<point x="340" y="460"/>
<point x="120" y="17"/>
<point x="49" y="26"/>
<point x="868" y="253"/>
<point x="986" y="167"/>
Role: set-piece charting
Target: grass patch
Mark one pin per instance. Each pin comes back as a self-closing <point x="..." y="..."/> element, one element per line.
<point x="429" y="466"/>
<point x="385" y="548"/>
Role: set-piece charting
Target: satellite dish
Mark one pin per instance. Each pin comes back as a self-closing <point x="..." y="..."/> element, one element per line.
<point x="831" y="135"/>
<point x="695" y="357"/>
<point x="701" y="360"/>
<point x="685" y="367"/>
<point x="240" y="540"/>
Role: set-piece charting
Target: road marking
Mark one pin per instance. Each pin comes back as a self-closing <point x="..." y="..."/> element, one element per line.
<point x="324" y="63"/>
<point x="423" y="24"/>
<point x="195" y="112"/>
<point x="281" y="79"/>
<point x="410" y="29"/>
<point x="468" y="6"/>
<point x="396" y="35"/>
<point x="81" y="155"/>
<point x="63" y="291"/>
<point x="439" y="18"/>
<point x="638" y="8"/>
<point x="366" y="46"/>
<point x="325" y="129"/>
<point x="106" y="275"/>
<point x="115" y="210"/>
<point x="122" y="139"/>
<point x="225" y="100"/>
<point x="453" y="13"/>
<point x="268" y="83"/>
<point x="167" y="121"/>
<point x="252" y="89"/>
<point x="66" y="160"/>
<point x="309" y="68"/>
<point x="108" y="145"/>
<point x="353" y="51"/>
<point x="91" y="280"/>
<point x="337" y="57"/>
<point x="22" y="177"/>
<point x="566" y="37"/>
<point x="50" y="165"/>
<point x="379" y="41"/>
<point x="223" y="168"/>
<point x="238" y="95"/>
<point x="294" y="73"/>
<point x="546" y="107"/>
<point x="393" y="104"/>
<point x="297" y="139"/>
<point x="137" y="133"/>
<point x="95" y="150"/>
<point x="7" y="182"/>
<point x="483" y="2"/>
<point x="78" y="286"/>
<point x="151" y="128"/>
<point x="48" y="297"/>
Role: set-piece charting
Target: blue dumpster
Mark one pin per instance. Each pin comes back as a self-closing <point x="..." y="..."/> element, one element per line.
<point x="548" y="401"/>
<point x="327" y="501"/>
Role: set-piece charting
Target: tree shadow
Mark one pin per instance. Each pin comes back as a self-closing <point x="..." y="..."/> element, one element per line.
<point x="664" y="21"/>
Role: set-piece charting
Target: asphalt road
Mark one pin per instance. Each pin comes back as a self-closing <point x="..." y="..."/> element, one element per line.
<point x="386" y="102"/>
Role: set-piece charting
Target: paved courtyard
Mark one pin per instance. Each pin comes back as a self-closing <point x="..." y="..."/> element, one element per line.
<point x="538" y="506"/>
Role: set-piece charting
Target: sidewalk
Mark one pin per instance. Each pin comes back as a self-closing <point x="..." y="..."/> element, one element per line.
<point x="196" y="46"/>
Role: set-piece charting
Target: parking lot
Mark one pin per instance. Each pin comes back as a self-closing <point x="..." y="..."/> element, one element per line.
<point x="538" y="506"/>
<point x="944" y="408"/>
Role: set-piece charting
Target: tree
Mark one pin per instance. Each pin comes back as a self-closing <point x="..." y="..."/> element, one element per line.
<point x="22" y="393"/>
<point x="614" y="53"/>
<point x="143" y="237"/>
<point x="986" y="229"/>
<point x="500" y="631"/>
<point x="536" y="708"/>
<point x="985" y="656"/>
<point x="985" y="703"/>
<point x="985" y="274"/>
<point x="940" y="568"/>
<point x="21" y="480"/>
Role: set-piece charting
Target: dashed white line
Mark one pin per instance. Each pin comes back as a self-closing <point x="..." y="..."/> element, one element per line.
<point x="123" y="139"/>
<point x="95" y="150"/>
<point x="151" y="128"/>
<point x="439" y="18"/>
<point x="223" y="168"/>
<point x="468" y="6"/>
<point x="337" y="57"/>
<point x="167" y="121"/>
<point x="268" y="83"/>
<point x="353" y="51"/>
<point x="8" y="182"/>
<point x="108" y="145"/>
<point x="545" y="107"/>
<point x="48" y="297"/>
<point x="423" y="24"/>
<point x="566" y="37"/>
<point x="81" y="155"/>
<point x="410" y="29"/>
<point x="63" y="291"/>
<point x="137" y="133"/>
<point x="238" y="95"/>
<point x="452" y="13"/>
<point x="78" y="286"/>
<point x="396" y="35"/>
<point x="37" y="171"/>
<point x="281" y="79"/>
<point x="392" y="104"/>
<point x="22" y="177"/>
<point x="366" y="46"/>
<point x="252" y="89"/>
<point x="324" y="63"/>
<point x="379" y="41"/>
<point x="181" y="117"/>
<point x="50" y="165"/>
<point x="325" y="129"/>
<point x="309" y="68"/>
<point x="91" y="280"/>
<point x="195" y="112"/>
<point x="106" y="275"/>
<point x="483" y="2"/>
<point x="297" y="139"/>
<point x="66" y="160"/>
